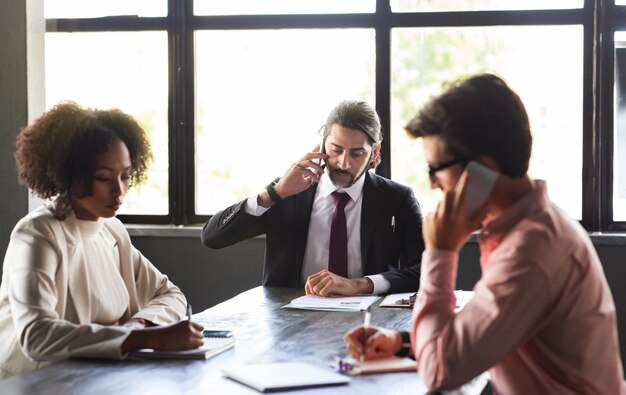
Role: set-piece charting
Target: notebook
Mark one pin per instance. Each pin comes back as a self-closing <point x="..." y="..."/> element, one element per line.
<point x="211" y="347"/>
<point x="403" y="299"/>
<point x="282" y="376"/>
<point x="355" y="367"/>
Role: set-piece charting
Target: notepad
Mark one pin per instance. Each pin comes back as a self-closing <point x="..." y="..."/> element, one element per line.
<point x="282" y="376"/>
<point x="211" y="347"/>
<point x="402" y="299"/>
<point x="355" y="367"/>
<point x="339" y="303"/>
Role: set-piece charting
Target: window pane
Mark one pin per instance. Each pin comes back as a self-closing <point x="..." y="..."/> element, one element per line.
<point x="261" y="98"/>
<point x="619" y="169"/>
<point x="118" y="70"/>
<point x="275" y="7"/>
<point x="96" y="9"/>
<point x="542" y="64"/>
<point x="473" y="5"/>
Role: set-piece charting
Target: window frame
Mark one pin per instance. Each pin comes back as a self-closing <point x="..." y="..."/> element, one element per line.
<point x="599" y="18"/>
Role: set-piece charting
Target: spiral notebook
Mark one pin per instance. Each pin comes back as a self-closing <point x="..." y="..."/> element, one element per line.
<point x="211" y="347"/>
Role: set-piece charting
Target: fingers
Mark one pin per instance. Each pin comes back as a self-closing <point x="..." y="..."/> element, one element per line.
<point x="324" y="283"/>
<point x="353" y="341"/>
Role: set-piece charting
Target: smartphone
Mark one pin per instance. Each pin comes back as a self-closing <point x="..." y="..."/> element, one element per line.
<point x="217" y="333"/>
<point x="323" y="151"/>
<point x="481" y="182"/>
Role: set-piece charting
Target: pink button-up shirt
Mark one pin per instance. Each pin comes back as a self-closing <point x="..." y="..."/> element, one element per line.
<point x="542" y="319"/>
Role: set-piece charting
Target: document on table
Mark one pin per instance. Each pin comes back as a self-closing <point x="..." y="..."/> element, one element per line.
<point x="339" y="303"/>
<point x="402" y="299"/>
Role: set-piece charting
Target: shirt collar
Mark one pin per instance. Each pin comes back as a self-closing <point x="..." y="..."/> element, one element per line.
<point x="326" y="187"/>
<point x="534" y="200"/>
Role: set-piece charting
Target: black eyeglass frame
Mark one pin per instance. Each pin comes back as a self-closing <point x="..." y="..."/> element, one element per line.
<point x="434" y="169"/>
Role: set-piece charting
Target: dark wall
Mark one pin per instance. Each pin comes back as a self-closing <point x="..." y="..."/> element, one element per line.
<point x="13" y="114"/>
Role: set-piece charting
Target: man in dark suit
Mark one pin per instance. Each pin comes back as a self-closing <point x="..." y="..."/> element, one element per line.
<point x="342" y="230"/>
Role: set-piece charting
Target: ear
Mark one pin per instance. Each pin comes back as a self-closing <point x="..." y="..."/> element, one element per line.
<point x="489" y="162"/>
<point x="375" y="154"/>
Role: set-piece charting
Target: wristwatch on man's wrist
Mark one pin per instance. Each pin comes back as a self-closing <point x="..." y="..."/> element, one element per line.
<point x="274" y="196"/>
<point x="406" y="344"/>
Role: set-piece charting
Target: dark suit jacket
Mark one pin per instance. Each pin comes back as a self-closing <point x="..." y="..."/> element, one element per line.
<point x="394" y="253"/>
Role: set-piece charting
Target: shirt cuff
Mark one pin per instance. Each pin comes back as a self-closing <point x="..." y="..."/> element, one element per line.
<point x="438" y="271"/>
<point x="381" y="284"/>
<point x="253" y="208"/>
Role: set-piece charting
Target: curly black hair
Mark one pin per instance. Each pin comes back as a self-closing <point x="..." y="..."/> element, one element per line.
<point x="56" y="155"/>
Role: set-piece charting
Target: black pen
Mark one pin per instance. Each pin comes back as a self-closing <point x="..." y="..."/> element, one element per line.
<point x="189" y="312"/>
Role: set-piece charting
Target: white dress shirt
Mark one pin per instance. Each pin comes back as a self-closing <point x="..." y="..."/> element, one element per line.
<point x="316" y="251"/>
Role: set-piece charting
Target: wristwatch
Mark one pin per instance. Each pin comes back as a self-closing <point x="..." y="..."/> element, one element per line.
<point x="274" y="196"/>
<point x="406" y="344"/>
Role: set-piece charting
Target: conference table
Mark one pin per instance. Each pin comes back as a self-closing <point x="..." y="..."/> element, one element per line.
<point x="263" y="331"/>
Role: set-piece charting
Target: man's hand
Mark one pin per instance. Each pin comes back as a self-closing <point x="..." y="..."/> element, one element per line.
<point x="298" y="177"/>
<point x="447" y="228"/>
<point x="301" y="174"/>
<point x="379" y="342"/>
<point x="326" y="283"/>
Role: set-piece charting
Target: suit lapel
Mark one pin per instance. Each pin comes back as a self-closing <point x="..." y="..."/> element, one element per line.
<point x="372" y="203"/>
<point x="302" y="217"/>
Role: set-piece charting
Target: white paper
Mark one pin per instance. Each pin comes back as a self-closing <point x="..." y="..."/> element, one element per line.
<point x="340" y="303"/>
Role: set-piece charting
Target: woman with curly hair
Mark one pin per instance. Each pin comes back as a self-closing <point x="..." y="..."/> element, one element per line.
<point x="72" y="284"/>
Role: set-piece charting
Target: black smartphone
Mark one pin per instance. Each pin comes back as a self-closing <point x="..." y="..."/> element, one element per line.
<point x="323" y="151"/>
<point x="217" y="333"/>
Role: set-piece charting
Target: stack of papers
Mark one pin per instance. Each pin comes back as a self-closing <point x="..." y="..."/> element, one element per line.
<point x="342" y="303"/>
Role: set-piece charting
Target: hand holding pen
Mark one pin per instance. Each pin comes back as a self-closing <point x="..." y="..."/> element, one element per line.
<point x="366" y="323"/>
<point x="368" y="342"/>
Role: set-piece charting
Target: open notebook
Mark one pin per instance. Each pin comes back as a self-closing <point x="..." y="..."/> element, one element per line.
<point x="355" y="367"/>
<point x="212" y="346"/>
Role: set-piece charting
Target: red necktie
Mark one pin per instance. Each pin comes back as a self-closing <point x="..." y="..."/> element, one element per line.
<point x="338" y="246"/>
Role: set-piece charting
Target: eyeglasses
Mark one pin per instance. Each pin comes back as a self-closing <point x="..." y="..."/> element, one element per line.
<point x="434" y="169"/>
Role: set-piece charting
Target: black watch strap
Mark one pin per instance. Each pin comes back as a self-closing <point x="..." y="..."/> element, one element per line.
<point x="406" y="344"/>
<point x="272" y="192"/>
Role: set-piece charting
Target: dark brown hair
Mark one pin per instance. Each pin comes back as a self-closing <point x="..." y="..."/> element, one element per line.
<point x="56" y="154"/>
<point x="477" y="116"/>
<point x="357" y="115"/>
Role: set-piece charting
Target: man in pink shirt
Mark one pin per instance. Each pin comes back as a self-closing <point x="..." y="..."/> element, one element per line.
<point x="542" y="319"/>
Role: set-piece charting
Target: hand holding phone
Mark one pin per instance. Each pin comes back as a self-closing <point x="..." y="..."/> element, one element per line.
<point x="481" y="182"/>
<point x="321" y="150"/>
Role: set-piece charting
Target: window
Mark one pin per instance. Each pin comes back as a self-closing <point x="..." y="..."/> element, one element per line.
<point x="233" y="91"/>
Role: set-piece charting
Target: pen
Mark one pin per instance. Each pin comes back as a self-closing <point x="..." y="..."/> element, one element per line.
<point x="366" y="324"/>
<point x="393" y="223"/>
<point x="189" y="312"/>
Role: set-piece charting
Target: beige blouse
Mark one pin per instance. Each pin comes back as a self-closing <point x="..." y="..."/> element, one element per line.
<point x="65" y="285"/>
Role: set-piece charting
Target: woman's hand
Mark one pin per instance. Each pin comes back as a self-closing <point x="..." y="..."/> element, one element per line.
<point x="183" y="335"/>
<point x="379" y="342"/>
